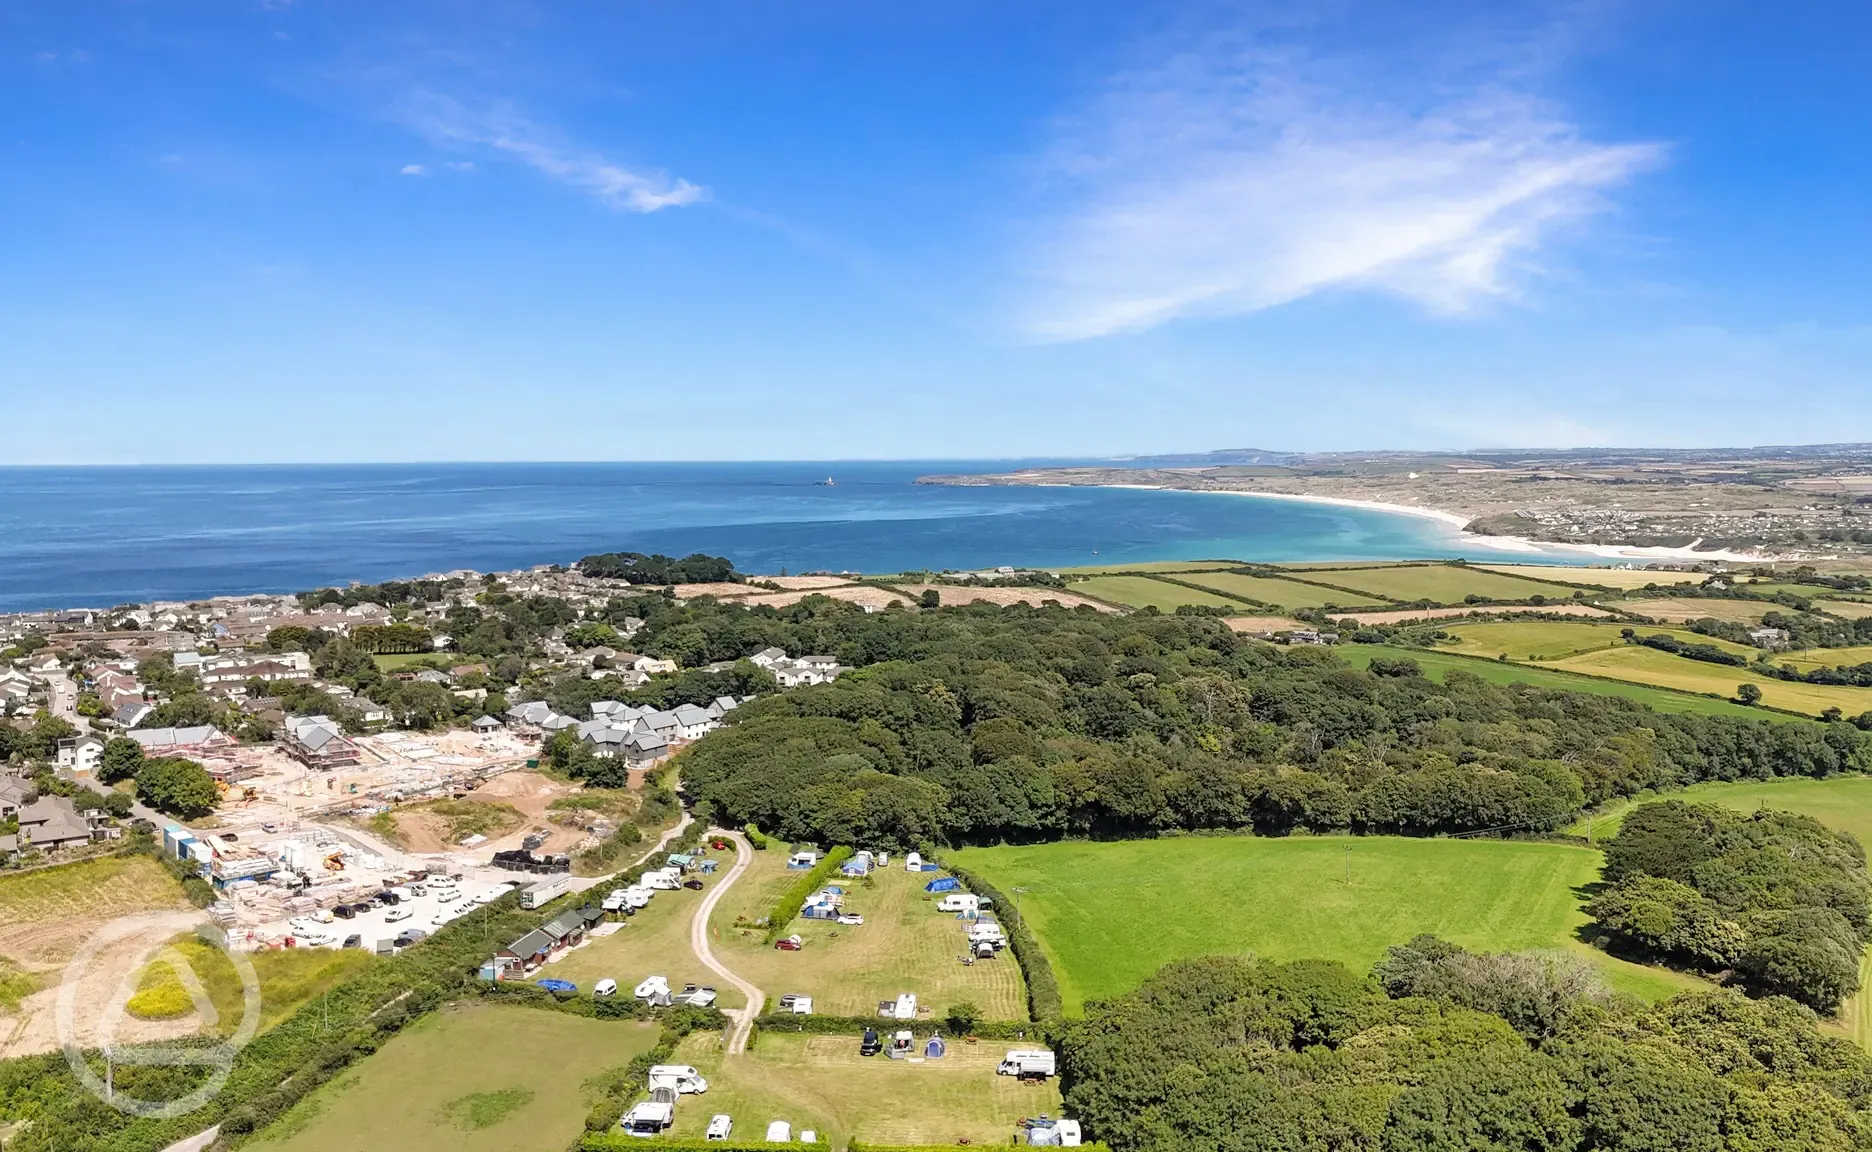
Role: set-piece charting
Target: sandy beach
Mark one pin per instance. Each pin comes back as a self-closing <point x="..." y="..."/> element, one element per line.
<point x="1520" y="546"/>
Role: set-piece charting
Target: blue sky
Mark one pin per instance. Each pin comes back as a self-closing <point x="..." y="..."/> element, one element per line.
<point x="283" y="230"/>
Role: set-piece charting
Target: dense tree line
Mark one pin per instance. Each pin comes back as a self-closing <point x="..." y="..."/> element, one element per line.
<point x="975" y="724"/>
<point x="1708" y="653"/>
<point x="638" y="568"/>
<point x="1233" y="1055"/>
<point x="1774" y="897"/>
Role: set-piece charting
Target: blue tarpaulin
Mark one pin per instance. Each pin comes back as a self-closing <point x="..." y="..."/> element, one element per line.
<point x="946" y="884"/>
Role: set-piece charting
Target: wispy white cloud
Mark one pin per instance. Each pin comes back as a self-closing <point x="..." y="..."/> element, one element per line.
<point x="413" y="170"/>
<point x="449" y="123"/>
<point x="1228" y="181"/>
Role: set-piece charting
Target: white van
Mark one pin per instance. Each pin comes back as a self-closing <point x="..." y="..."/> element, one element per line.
<point x="959" y="902"/>
<point x="649" y="1118"/>
<point x="720" y="1127"/>
<point x="1028" y="1062"/>
<point x="682" y="1077"/>
<point x="663" y="879"/>
<point x="605" y="987"/>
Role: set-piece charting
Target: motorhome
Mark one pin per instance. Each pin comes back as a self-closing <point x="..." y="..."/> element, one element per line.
<point x="652" y="987"/>
<point x="779" y="1132"/>
<point x="720" y="1127"/>
<point x="1029" y="1063"/>
<point x="663" y="879"/>
<point x="682" y="1077"/>
<point x="649" y="1118"/>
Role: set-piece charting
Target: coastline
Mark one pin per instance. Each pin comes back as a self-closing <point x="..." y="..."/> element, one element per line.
<point x="1521" y="546"/>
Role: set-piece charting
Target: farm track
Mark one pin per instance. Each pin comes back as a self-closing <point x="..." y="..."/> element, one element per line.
<point x="699" y="943"/>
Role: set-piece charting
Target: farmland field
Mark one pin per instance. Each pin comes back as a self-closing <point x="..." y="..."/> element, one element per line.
<point x="1805" y="591"/>
<point x="1849" y="609"/>
<point x="1842" y="802"/>
<point x="1649" y="666"/>
<point x="655" y="941"/>
<point x="1692" y="608"/>
<point x="904" y="945"/>
<point x="1143" y="592"/>
<point x="1543" y="640"/>
<point x="1567" y="610"/>
<point x="1437" y="665"/>
<point x="1152" y="566"/>
<point x="1111" y="914"/>
<point x="1442" y="583"/>
<point x="1277" y="592"/>
<point x="524" y="1067"/>
<point x="1624" y="579"/>
<point x="821" y="1083"/>
<point x="1826" y="657"/>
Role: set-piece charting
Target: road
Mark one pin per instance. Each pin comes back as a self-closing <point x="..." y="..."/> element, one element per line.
<point x="699" y="942"/>
<point x="62" y="699"/>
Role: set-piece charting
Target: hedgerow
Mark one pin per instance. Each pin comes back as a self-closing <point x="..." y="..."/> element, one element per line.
<point x="1043" y="995"/>
<point x="794" y="898"/>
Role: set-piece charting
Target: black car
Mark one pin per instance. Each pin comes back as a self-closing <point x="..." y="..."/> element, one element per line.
<point x="696" y="884"/>
<point x="387" y="897"/>
<point x="343" y="911"/>
<point x="870" y="1045"/>
<point x="354" y="941"/>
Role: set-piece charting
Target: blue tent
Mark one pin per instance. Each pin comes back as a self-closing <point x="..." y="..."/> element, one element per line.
<point x="946" y="884"/>
<point x="935" y="1048"/>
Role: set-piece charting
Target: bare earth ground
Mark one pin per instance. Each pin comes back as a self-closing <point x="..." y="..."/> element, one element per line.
<point x="963" y="594"/>
<point x="531" y="793"/>
<point x="719" y="591"/>
<point x="859" y="594"/>
<point x="1394" y="616"/>
<point x="797" y="582"/>
<point x="1264" y="624"/>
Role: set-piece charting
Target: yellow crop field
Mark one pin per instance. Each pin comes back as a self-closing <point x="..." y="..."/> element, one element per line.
<point x="1649" y="666"/>
<point x="1848" y="609"/>
<point x="1826" y="657"/>
<point x="1694" y="608"/>
<point x="1624" y="579"/>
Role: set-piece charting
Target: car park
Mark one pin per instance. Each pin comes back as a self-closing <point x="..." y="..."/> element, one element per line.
<point x="354" y="941"/>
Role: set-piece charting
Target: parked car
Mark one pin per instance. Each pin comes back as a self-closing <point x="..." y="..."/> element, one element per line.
<point x="870" y="1045"/>
<point x="557" y="985"/>
<point x="605" y="987"/>
<point x="850" y="918"/>
<point x="343" y="911"/>
<point x="695" y="884"/>
<point x="387" y="897"/>
<point x="354" y="941"/>
<point x="395" y="914"/>
<point x="302" y="925"/>
<point x="788" y="944"/>
<point x="317" y="940"/>
<point x="269" y="827"/>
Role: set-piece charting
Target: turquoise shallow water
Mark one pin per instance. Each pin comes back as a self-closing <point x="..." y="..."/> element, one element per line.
<point x="98" y="536"/>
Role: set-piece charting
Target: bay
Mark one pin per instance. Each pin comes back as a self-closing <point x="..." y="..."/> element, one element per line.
<point x="76" y="537"/>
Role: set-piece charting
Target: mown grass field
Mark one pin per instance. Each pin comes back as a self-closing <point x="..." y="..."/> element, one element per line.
<point x="653" y="942"/>
<point x="1437" y="665"/>
<point x="1650" y="666"/>
<point x="1826" y="657"/>
<point x="1842" y="802"/>
<point x="1847" y="609"/>
<point x="1806" y="591"/>
<point x="1110" y="914"/>
<point x="1697" y="608"/>
<point x="1144" y="592"/>
<point x="1623" y="579"/>
<point x="289" y="978"/>
<point x="821" y="1083"/>
<point x="521" y="1071"/>
<point x="1153" y="566"/>
<point x="1554" y="639"/>
<point x="400" y="660"/>
<point x="904" y="945"/>
<point x="1442" y="583"/>
<point x="1278" y="593"/>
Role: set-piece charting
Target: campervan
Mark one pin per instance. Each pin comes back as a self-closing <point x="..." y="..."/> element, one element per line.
<point x="959" y="902"/>
<point x="904" y="1008"/>
<point x="682" y="1077"/>
<point x="613" y="901"/>
<point x="720" y="1126"/>
<point x="649" y="1118"/>
<point x="987" y="932"/>
<point x="637" y="896"/>
<point x="913" y="862"/>
<point x="1028" y="1063"/>
<point x="663" y="879"/>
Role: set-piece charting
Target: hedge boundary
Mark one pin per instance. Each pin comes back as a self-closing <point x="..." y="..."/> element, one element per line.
<point x="606" y="1141"/>
<point x="1043" y="995"/>
<point x="794" y="898"/>
<point x="854" y="1026"/>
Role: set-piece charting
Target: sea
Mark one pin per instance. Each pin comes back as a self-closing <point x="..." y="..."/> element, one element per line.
<point x="103" y="536"/>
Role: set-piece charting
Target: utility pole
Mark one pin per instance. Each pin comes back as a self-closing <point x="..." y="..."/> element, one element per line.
<point x="1348" y="865"/>
<point x="1018" y="893"/>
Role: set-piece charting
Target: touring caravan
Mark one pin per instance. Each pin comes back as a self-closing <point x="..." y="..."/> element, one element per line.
<point x="959" y="902"/>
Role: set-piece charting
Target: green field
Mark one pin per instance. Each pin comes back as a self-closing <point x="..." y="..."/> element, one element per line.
<point x="289" y="978"/>
<point x="821" y="1083"/>
<point x="1624" y="579"/>
<point x="400" y="660"/>
<point x="1152" y="566"/>
<point x="1144" y="592"/>
<point x="1826" y="657"/>
<point x="655" y="941"/>
<point x="1278" y="593"/>
<point x="1436" y="665"/>
<point x="1111" y="914"/>
<point x="904" y="945"/>
<point x="1650" y="666"/>
<point x="1847" y="609"/>
<point x="1554" y="639"/>
<point x="1805" y="591"/>
<point x="520" y="1071"/>
<point x="1842" y="802"/>
<point x="1441" y="583"/>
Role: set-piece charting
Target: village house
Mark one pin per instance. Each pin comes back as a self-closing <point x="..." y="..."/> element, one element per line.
<point x="80" y="753"/>
<point x="319" y="742"/>
<point x="14" y="791"/>
<point x="50" y="823"/>
<point x="192" y="740"/>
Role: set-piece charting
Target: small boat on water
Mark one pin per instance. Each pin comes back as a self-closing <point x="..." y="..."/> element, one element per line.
<point x="828" y="482"/>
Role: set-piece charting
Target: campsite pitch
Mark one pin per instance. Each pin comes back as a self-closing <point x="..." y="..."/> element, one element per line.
<point x="904" y="945"/>
<point x="1111" y="914"/>
<point x="821" y="1083"/>
<point x="467" y="1078"/>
